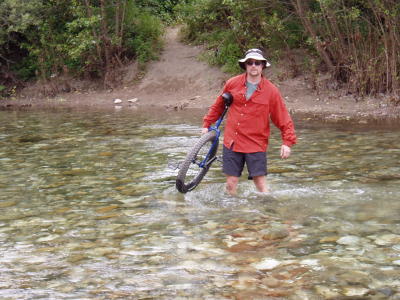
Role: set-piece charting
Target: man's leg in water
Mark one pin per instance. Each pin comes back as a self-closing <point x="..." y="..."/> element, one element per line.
<point x="231" y="184"/>
<point x="260" y="183"/>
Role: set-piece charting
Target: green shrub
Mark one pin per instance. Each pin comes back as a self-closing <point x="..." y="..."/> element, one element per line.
<point x="145" y="38"/>
<point x="230" y="27"/>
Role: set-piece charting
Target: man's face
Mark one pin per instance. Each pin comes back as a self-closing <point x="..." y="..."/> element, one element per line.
<point x="254" y="67"/>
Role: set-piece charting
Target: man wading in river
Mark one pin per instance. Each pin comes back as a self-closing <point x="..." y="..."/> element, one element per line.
<point x="255" y="101"/>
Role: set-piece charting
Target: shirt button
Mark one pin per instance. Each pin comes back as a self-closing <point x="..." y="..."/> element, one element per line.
<point x="235" y="132"/>
<point x="238" y="124"/>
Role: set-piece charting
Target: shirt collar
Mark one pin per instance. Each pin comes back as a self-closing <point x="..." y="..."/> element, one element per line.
<point x="260" y="85"/>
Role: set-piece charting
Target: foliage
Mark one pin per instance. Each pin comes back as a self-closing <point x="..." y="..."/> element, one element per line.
<point x="356" y="40"/>
<point x="229" y="27"/>
<point x="79" y="37"/>
<point x="163" y="9"/>
<point x="146" y="37"/>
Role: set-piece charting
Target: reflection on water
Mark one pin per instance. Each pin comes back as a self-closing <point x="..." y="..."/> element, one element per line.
<point x="89" y="210"/>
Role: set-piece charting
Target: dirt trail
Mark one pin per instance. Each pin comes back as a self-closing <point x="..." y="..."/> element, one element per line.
<point x="179" y="78"/>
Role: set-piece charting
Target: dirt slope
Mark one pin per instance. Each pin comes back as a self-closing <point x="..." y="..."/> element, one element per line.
<point x="179" y="77"/>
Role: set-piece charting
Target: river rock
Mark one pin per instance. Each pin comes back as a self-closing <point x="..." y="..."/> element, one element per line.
<point x="327" y="292"/>
<point x="271" y="282"/>
<point x="353" y="291"/>
<point x="48" y="238"/>
<point x="387" y="239"/>
<point x="349" y="240"/>
<point x="302" y="250"/>
<point x="310" y="262"/>
<point x="5" y="204"/>
<point x="275" y="234"/>
<point x="396" y="262"/>
<point x="106" y="208"/>
<point x="266" y="264"/>
<point x="102" y="251"/>
<point x="241" y="247"/>
<point x="106" y="153"/>
<point x="329" y="239"/>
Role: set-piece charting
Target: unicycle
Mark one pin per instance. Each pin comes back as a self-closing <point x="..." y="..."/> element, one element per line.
<point x="199" y="159"/>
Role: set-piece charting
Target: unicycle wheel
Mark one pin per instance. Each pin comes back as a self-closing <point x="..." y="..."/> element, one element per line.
<point x="190" y="173"/>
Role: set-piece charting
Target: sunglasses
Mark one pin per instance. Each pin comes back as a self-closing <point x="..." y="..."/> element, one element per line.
<point x="253" y="62"/>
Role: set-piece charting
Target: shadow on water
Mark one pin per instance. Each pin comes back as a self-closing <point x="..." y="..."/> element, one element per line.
<point x="89" y="209"/>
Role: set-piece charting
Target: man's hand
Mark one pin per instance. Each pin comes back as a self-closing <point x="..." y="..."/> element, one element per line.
<point x="204" y="131"/>
<point x="285" y="151"/>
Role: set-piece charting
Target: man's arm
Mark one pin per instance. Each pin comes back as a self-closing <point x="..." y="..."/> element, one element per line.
<point x="281" y="118"/>
<point x="213" y="114"/>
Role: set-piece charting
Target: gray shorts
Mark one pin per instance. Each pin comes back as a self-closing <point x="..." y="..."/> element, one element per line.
<point x="233" y="163"/>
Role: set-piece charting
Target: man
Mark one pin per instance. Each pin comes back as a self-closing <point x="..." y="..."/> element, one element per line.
<point x="255" y="101"/>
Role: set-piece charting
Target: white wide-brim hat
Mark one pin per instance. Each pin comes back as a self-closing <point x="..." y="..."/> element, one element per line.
<point x="256" y="54"/>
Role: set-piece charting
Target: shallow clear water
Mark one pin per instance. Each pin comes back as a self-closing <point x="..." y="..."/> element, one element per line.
<point x="89" y="210"/>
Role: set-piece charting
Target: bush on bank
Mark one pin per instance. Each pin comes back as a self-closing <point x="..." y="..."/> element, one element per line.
<point x="87" y="38"/>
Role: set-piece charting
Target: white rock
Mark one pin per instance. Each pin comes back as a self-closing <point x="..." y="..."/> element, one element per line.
<point x="133" y="100"/>
<point x="48" y="238"/>
<point x="117" y="101"/>
<point x="326" y="292"/>
<point x="309" y="262"/>
<point x="348" y="240"/>
<point x="266" y="264"/>
<point x="396" y="262"/>
<point x="387" y="239"/>
<point x="190" y="265"/>
<point x="36" y="260"/>
<point x="355" y="291"/>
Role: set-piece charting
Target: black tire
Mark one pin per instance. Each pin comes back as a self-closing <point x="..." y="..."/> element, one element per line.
<point x="190" y="174"/>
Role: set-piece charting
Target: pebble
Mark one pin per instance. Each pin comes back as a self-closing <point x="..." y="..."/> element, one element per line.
<point x="387" y="239"/>
<point x="5" y="204"/>
<point x="271" y="282"/>
<point x="48" y="238"/>
<point x="355" y="291"/>
<point x="267" y="264"/>
<point x="396" y="262"/>
<point x="327" y="292"/>
<point x="348" y="240"/>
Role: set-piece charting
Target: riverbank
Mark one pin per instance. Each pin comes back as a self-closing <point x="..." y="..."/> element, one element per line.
<point x="180" y="81"/>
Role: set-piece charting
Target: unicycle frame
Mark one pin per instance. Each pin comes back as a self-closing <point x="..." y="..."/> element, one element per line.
<point x="207" y="160"/>
<point x="182" y="184"/>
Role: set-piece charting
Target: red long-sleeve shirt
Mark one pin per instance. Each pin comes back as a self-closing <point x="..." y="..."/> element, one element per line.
<point x="247" y="125"/>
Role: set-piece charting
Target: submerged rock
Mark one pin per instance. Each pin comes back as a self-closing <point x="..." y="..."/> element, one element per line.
<point x="348" y="240"/>
<point x="267" y="264"/>
<point x="353" y="291"/>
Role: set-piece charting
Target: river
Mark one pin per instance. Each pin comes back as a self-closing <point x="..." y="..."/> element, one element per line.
<point x="89" y="210"/>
